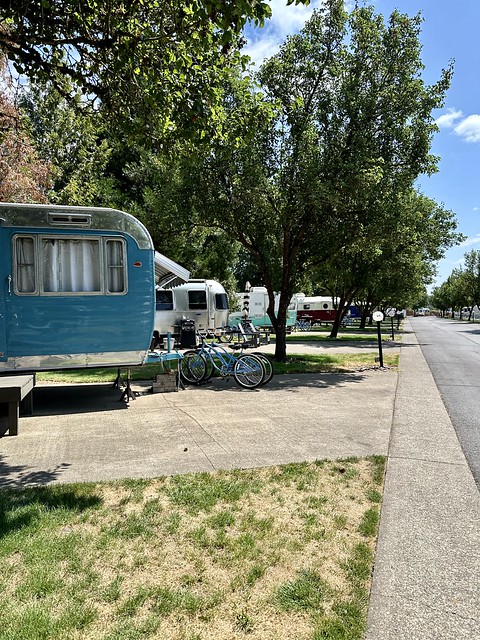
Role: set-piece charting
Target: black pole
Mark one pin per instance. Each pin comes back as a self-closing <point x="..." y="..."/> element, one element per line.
<point x="379" y="333"/>
<point x="393" y="333"/>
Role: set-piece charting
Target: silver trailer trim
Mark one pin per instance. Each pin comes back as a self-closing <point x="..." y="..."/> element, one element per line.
<point x="74" y="361"/>
<point x="40" y="216"/>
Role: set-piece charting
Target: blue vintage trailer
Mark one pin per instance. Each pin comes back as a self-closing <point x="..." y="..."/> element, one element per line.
<point x="78" y="287"/>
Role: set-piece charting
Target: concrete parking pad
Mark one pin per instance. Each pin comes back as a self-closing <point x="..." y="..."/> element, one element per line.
<point x="83" y="432"/>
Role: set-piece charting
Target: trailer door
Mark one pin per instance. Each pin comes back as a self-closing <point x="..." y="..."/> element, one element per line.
<point x="6" y="283"/>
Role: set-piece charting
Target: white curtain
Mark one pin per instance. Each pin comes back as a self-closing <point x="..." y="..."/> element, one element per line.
<point x="25" y="278"/>
<point x="71" y="265"/>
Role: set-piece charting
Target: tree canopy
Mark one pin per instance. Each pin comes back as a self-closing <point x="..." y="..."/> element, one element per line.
<point x="156" y="66"/>
<point x="462" y="287"/>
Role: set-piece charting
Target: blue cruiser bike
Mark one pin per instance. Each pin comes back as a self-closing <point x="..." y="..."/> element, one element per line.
<point x="200" y="365"/>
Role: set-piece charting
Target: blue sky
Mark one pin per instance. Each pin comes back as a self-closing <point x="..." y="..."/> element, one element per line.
<point x="449" y="32"/>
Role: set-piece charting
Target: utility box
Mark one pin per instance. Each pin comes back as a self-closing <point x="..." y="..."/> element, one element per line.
<point x="188" y="335"/>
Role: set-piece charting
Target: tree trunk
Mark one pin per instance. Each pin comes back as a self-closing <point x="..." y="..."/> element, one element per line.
<point x="281" y="343"/>
<point x="343" y="307"/>
<point x="335" y="326"/>
<point x="279" y="323"/>
<point x="363" y="319"/>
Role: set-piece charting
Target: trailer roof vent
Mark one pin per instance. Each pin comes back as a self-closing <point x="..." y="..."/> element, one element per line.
<point x="70" y="219"/>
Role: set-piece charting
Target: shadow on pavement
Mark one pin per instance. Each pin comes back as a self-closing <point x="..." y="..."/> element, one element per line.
<point x="12" y="476"/>
<point x="293" y="383"/>
<point x="61" y="399"/>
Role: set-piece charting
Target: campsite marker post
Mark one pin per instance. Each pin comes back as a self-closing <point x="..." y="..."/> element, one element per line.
<point x="378" y="317"/>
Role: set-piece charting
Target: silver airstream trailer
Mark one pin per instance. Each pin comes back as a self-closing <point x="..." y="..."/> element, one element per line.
<point x="205" y="302"/>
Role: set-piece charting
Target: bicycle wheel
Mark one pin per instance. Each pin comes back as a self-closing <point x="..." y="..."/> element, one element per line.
<point x="209" y="368"/>
<point x="248" y="371"/>
<point x="193" y="367"/>
<point x="267" y="364"/>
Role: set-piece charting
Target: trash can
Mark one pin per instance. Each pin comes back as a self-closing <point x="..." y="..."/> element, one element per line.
<point x="188" y="335"/>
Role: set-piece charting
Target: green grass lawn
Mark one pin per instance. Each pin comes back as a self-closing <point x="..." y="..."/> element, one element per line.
<point x="274" y="553"/>
<point x="295" y="364"/>
<point x="332" y="363"/>
<point x="349" y="333"/>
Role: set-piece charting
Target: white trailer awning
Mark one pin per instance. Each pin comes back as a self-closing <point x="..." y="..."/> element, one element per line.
<point x="168" y="273"/>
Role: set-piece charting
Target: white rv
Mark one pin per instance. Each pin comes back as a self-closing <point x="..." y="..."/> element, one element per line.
<point x="203" y="301"/>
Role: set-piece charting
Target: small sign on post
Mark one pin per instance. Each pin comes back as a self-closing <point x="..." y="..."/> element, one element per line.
<point x="391" y="313"/>
<point x="378" y="317"/>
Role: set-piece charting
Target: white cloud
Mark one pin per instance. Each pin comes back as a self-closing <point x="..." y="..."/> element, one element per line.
<point x="286" y="20"/>
<point x="261" y="50"/>
<point x="471" y="241"/>
<point x="448" y="118"/>
<point x="469" y="128"/>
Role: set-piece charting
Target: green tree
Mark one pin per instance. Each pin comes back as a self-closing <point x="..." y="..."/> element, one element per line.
<point x="75" y="144"/>
<point x="352" y="127"/>
<point x="446" y="296"/>
<point x="393" y="264"/>
<point x="471" y="279"/>
<point x="156" y="67"/>
<point x="154" y="190"/>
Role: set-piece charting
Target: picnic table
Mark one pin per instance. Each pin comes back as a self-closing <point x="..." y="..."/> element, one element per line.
<point x="14" y="391"/>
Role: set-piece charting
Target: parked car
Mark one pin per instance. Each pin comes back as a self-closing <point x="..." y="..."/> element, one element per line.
<point x="423" y="311"/>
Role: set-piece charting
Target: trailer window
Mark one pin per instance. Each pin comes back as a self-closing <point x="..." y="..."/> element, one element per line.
<point x="71" y="265"/>
<point x="221" y="301"/>
<point x="164" y="300"/>
<point x="25" y="281"/>
<point x="306" y="306"/>
<point x="115" y="255"/>
<point x="59" y="264"/>
<point x="197" y="300"/>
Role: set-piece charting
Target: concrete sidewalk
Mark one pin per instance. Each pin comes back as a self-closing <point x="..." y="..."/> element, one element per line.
<point x="426" y="583"/>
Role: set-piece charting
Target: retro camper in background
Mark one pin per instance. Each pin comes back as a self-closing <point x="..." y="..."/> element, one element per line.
<point x="321" y="309"/>
<point x="257" y="309"/>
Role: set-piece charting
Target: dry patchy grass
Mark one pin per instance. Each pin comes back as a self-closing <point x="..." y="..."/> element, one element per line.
<point x="273" y="554"/>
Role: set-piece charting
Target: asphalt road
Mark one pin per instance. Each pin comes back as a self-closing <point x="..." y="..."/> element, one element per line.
<point x="452" y="351"/>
